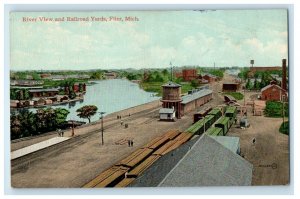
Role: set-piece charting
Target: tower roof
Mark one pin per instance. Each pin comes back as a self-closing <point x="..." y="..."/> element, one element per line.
<point x="171" y="84"/>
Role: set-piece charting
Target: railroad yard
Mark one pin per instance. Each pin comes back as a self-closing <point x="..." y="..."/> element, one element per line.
<point x="79" y="160"/>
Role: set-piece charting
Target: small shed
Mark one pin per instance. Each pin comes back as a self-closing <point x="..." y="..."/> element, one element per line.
<point x="14" y="103"/>
<point x="244" y="122"/>
<point x="167" y="114"/>
<point x="230" y="87"/>
<point x="48" y="101"/>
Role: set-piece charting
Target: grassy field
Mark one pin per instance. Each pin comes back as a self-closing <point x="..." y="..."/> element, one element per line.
<point x="236" y="95"/>
<point x="156" y="87"/>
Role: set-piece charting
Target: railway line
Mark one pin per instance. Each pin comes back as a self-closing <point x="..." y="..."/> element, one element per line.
<point x="123" y="173"/>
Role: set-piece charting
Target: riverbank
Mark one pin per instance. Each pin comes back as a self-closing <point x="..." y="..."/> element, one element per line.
<point x="108" y="120"/>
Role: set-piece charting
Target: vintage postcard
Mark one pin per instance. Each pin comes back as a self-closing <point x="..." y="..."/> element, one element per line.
<point x="185" y="98"/>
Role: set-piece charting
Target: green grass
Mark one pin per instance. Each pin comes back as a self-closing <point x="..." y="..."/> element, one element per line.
<point x="156" y="87"/>
<point x="284" y="128"/>
<point x="236" y="95"/>
<point x="274" y="109"/>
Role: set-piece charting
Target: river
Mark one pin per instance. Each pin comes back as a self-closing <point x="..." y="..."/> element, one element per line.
<point x="109" y="96"/>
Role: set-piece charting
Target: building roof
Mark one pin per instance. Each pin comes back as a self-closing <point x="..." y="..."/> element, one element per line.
<point x="171" y="84"/>
<point x="230" y="83"/>
<point x="43" y="90"/>
<point x="210" y="75"/>
<point x="231" y="143"/>
<point x="166" y="110"/>
<point x="196" y="95"/>
<point x="209" y="163"/>
<point x="271" y="85"/>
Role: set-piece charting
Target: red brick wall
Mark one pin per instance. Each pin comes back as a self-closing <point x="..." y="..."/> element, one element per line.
<point x="189" y="74"/>
<point x="272" y="93"/>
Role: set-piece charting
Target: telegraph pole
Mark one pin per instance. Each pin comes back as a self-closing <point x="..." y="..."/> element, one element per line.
<point x="102" y="130"/>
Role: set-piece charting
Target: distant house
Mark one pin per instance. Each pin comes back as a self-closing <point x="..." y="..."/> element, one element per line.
<point x="28" y="103"/>
<point x="210" y="78"/>
<point x="189" y="74"/>
<point x="48" y="101"/>
<point x="43" y="92"/>
<point x="14" y="103"/>
<point x="273" y="92"/>
<point x="61" y="98"/>
<point x="167" y="114"/>
<point x="26" y="83"/>
<point x="41" y="101"/>
<point x="111" y="75"/>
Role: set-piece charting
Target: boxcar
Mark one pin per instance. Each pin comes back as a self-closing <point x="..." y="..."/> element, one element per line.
<point x="231" y="112"/>
<point x="216" y="113"/>
<point x="199" y="115"/>
<point x="224" y="123"/>
<point x="214" y="131"/>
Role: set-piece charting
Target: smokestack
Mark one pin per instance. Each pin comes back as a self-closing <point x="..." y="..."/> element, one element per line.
<point x="283" y="82"/>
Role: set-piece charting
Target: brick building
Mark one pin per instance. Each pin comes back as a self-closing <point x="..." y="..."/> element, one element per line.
<point x="273" y="92"/>
<point x="210" y="78"/>
<point x="189" y="74"/>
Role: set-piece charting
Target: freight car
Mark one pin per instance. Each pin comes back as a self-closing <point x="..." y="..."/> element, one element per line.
<point x="198" y="127"/>
<point x="216" y="113"/>
<point x="231" y="112"/>
<point x="224" y="123"/>
<point x="214" y="131"/>
<point x="199" y="115"/>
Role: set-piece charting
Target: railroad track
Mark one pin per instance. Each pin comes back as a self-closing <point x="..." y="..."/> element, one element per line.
<point x="23" y="162"/>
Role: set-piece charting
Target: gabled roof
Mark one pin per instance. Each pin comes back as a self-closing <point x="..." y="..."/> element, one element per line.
<point x="43" y="90"/>
<point x="171" y="84"/>
<point x="191" y="97"/>
<point x="209" y="75"/>
<point x="166" y="110"/>
<point x="209" y="163"/>
<point x="270" y="86"/>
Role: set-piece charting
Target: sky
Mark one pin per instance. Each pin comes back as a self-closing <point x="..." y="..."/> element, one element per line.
<point x="185" y="38"/>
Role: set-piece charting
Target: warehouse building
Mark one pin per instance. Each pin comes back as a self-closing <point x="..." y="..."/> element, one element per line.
<point x="200" y="162"/>
<point x="195" y="99"/>
<point x="273" y="92"/>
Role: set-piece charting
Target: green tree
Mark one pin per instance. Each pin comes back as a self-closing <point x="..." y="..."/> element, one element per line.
<point x="194" y="83"/>
<point x="46" y="120"/>
<point x="61" y="116"/>
<point x="87" y="112"/>
<point x="249" y="84"/>
<point x="15" y="127"/>
<point x="97" y="75"/>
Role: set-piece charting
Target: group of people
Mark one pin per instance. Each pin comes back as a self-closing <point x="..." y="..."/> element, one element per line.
<point x="60" y="133"/>
<point x="130" y="142"/>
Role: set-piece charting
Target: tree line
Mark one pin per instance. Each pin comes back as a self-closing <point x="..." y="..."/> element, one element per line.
<point x="26" y="123"/>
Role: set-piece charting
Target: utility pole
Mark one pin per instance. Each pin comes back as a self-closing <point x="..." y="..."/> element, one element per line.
<point x="102" y="139"/>
<point x="73" y="133"/>
<point x="283" y="97"/>
<point x="171" y="71"/>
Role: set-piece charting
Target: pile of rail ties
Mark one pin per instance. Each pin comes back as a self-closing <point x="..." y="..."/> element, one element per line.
<point x="139" y="161"/>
